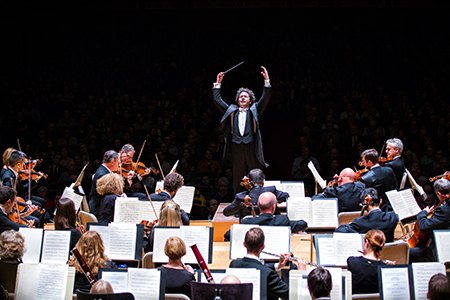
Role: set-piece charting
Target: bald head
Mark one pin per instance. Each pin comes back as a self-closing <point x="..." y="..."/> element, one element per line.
<point x="346" y="176"/>
<point x="267" y="202"/>
<point x="230" y="279"/>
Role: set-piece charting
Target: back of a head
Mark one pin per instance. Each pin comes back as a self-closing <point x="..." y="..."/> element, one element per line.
<point x="91" y="248"/>
<point x="11" y="245"/>
<point x="175" y="248"/>
<point x="266" y="201"/>
<point x="109" y="156"/>
<point x="372" y="193"/>
<point x="319" y="282"/>
<point x="442" y="186"/>
<point x="256" y="176"/>
<point x="6" y="156"/>
<point x="254" y="240"/>
<point x="376" y="239"/>
<point x="370" y="155"/>
<point x="170" y="214"/>
<point x="65" y="217"/>
<point x="173" y="181"/>
<point x="111" y="183"/>
<point x="101" y="287"/>
<point x="439" y="287"/>
<point x="230" y="279"/>
<point x="16" y="157"/>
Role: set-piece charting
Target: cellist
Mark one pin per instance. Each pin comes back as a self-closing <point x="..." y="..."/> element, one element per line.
<point x="439" y="220"/>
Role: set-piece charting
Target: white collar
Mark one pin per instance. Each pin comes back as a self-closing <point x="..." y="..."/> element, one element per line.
<point x="243" y="109"/>
<point x="251" y="256"/>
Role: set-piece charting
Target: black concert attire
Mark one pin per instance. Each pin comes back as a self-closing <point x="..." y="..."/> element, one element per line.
<point x="95" y="198"/>
<point x="178" y="281"/>
<point x="383" y="180"/>
<point x="276" y="288"/>
<point x="364" y="274"/>
<point x="279" y="220"/>
<point x="246" y="149"/>
<point x="81" y="282"/>
<point x="106" y="212"/>
<point x="163" y="196"/>
<point x="8" y="224"/>
<point x="439" y="220"/>
<point x="376" y="219"/>
<point x="398" y="166"/>
<point x="237" y="205"/>
<point x="9" y="178"/>
<point x="348" y="195"/>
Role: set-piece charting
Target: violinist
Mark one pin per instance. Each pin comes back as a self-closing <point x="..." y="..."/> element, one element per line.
<point x="439" y="220"/>
<point x="110" y="164"/>
<point x="394" y="149"/>
<point x="376" y="219"/>
<point x="256" y="179"/>
<point x="133" y="174"/>
<point x="347" y="191"/>
<point x="7" y="202"/>
<point x="378" y="177"/>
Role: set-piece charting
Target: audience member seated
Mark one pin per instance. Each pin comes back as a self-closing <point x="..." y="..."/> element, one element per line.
<point x="110" y="187"/>
<point x="211" y="209"/>
<point x="178" y="275"/>
<point x="66" y="219"/>
<point x="376" y="219"/>
<point x="91" y="248"/>
<point x="438" y="287"/>
<point x="223" y="194"/>
<point x="101" y="287"/>
<point x="365" y="268"/>
<point x="319" y="284"/>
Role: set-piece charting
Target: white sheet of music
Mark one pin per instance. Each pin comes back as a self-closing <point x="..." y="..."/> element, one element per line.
<point x="395" y="283"/>
<point x="118" y="280"/>
<point x="148" y="214"/>
<point x="401" y="203"/>
<point x="215" y="275"/>
<point x="33" y="243"/>
<point x="346" y="245"/>
<point x="275" y="183"/>
<point x="300" y="208"/>
<point x="184" y="198"/>
<point x="127" y="210"/>
<point x="103" y="231"/>
<point x="324" y="213"/>
<point x="56" y="246"/>
<point x="159" y="185"/>
<point x="238" y="231"/>
<point x="336" y="278"/>
<point x="316" y="175"/>
<point x="302" y="289"/>
<point x="326" y="251"/>
<point x="195" y="235"/>
<point x="122" y="241"/>
<point x="422" y="272"/>
<point x="144" y="283"/>
<point x="442" y="240"/>
<point x="410" y="201"/>
<point x="277" y="240"/>
<point x="70" y="193"/>
<point x="248" y="276"/>
<point x="51" y="282"/>
<point x="295" y="189"/>
<point x="160" y="237"/>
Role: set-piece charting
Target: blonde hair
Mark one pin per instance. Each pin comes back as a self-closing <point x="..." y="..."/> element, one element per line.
<point x="6" y="156"/>
<point x="175" y="248"/>
<point x="91" y="248"/>
<point x="101" y="287"/>
<point x="170" y="214"/>
<point x="111" y="183"/>
<point x="376" y="239"/>
<point x="11" y="245"/>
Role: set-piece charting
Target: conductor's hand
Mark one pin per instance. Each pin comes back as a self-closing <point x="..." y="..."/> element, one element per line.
<point x="265" y="73"/>
<point x="220" y="77"/>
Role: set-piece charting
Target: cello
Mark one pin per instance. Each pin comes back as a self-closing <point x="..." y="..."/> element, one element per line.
<point x="249" y="185"/>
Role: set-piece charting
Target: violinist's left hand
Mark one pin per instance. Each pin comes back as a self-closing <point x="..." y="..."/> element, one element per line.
<point x="428" y="209"/>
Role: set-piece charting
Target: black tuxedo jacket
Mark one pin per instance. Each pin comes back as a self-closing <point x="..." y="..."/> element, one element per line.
<point x="256" y="109"/>
<point x="398" y="166"/>
<point x="9" y="178"/>
<point x="279" y="220"/>
<point x="163" y="196"/>
<point x="237" y="207"/>
<point x="383" y="180"/>
<point x="7" y="224"/>
<point x="94" y="197"/>
<point x="376" y="219"/>
<point x="276" y="288"/>
<point x="348" y="195"/>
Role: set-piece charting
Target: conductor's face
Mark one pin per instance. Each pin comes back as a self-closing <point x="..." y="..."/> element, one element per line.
<point x="244" y="100"/>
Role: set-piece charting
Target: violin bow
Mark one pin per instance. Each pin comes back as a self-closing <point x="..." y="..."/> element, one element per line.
<point x="159" y="165"/>
<point x="139" y="157"/>
<point x="29" y="181"/>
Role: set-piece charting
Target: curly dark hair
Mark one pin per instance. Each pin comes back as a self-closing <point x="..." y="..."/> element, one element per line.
<point x="250" y="93"/>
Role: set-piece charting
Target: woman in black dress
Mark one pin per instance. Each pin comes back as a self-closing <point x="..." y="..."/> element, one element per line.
<point x="66" y="219"/>
<point x="178" y="276"/>
<point x="365" y="268"/>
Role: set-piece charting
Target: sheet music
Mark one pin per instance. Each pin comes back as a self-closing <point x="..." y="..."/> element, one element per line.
<point x="442" y="240"/>
<point x="148" y="214"/>
<point x="118" y="280"/>
<point x="410" y="201"/>
<point x="395" y="283"/>
<point x="144" y="284"/>
<point x="346" y="245"/>
<point x="277" y="240"/>
<point x="422" y="272"/>
<point x="217" y="276"/>
<point x="302" y="288"/>
<point x="316" y="175"/>
<point x="248" y="276"/>
<point x="33" y="243"/>
<point x="238" y="231"/>
<point x="127" y="210"/>
<point x="159" y="185"/>
<point x="324" y="213"/>
<point x="122" y="241"/>
<point x="414" y="183"/>
<point x="294" y="189"/>
<point x="195" y="235"/>
<point x="56" y="246"/>
<point x="184" y="198"/>
<point x="300" y="208"/>
<point x="275" y="183"/>
<point x="103" y="231"/>
<point x="398" y="204"/>
<point x="70" y="193"/>
<point x="326" y="251"/>
<point x="160" y="236"/>
<point x="336" y="279"/>
<point x="51" y="282"/>
<point x="174" y="168"/>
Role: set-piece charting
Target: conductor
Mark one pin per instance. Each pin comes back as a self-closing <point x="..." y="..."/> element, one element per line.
<point x="241" y="128"/>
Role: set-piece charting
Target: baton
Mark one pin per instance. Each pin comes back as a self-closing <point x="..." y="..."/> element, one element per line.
<point x="234" y="67"/>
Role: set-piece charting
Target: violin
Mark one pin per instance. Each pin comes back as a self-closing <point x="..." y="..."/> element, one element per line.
<point x="29" y="170"/>
<point x="249" y="185"/>
<point x="446" y="175"/>
<point x="385" y="159"/>
<point x="139" y="168"/>
<point x="359" y="174"/>
<point x="334" y="182"/>
<point x="366" y="204"/>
